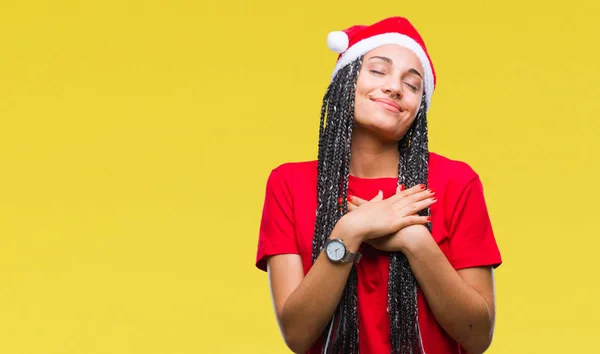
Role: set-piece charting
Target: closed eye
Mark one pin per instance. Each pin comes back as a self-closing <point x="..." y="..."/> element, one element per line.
<point x="376" y="72"/>
<point x="414" y="88"/>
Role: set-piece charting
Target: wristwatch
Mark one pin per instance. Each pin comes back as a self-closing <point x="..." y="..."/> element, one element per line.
<point x="336" y="251"/>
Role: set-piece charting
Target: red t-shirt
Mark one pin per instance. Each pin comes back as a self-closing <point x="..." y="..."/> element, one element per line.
<point x="460" y="226"/>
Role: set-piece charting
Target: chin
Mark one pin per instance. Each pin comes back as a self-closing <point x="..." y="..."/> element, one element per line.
<point x="386" y="127"/>
<point x="388" y="136"/>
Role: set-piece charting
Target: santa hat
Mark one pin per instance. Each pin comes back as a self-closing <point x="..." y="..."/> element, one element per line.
<point x="356" y="41"/>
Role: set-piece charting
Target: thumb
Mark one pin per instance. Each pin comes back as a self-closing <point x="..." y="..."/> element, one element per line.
<point x="378" y="197"/>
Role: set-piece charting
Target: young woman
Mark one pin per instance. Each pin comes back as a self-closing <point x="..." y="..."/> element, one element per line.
<point x="379" y="246"/>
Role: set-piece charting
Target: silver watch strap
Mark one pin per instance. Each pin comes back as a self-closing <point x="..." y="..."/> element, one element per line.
<point x="352" y="257"/>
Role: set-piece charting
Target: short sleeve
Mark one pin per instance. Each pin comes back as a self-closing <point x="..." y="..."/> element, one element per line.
<point x="277" y="229"/>
<point x="471" y="240"/>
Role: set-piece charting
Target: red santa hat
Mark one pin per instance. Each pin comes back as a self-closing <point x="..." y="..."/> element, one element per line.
<point x="356" y="41"/>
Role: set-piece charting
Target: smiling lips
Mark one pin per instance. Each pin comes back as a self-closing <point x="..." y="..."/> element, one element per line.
<point x="388" y="104"/>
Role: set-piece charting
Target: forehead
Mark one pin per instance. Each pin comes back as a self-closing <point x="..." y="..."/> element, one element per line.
<point x="398" y="54"/>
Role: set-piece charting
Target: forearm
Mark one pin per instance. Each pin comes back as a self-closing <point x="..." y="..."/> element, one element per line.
<point x="308" y="309"/>
<point x="459" y="309"/>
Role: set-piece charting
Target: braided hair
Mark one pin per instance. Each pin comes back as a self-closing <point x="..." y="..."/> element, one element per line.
<point x="335" y="135"/>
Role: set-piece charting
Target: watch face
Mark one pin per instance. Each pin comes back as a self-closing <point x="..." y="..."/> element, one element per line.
<point x="335" y="250"/>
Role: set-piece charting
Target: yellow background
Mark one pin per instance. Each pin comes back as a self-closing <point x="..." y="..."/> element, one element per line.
<point x="136" y="138"/>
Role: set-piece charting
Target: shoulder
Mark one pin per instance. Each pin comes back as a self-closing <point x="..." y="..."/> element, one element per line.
<point x="293" y="173"/>
<point x="296" y="168"/>
<point x="452" y="176"/>
<point x="463" y="215"/>
<point x="451" y="173"/>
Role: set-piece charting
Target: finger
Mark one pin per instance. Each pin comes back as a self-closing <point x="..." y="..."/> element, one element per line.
<point x="416" y="220"/>
<point x="401" y="194"/>
<point x="422" y="195"/>
<point x="378" y="197"/>
<point x="356" y="200"/>
<point x="429" y="201"/>
<point x="415" y="194"/>
<point x="349" y="199"/>
<point x="353" y="202"/>
<point x="400" y="188"/>
<point x="415" y="207"/>
<point x="415" y="189"/>
<point x="351" y="206"/>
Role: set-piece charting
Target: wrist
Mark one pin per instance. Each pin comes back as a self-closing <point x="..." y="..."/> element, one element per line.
<point x="406" y="248"/>
<point x="415" y="238"/>
<point x="346" y="232"/>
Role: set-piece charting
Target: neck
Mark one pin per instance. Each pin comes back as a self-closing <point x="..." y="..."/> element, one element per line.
<point x="372" y="157"/>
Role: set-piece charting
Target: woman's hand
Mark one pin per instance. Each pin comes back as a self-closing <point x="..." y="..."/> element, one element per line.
<point x="397" y="241"/>
<point x="382" y="217"/>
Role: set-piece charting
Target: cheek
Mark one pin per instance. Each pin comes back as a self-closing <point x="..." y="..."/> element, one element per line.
<point x="362" y="108"/>
<point x="414" y="102"/>
<point x="362" y="104"/>
<point x="365" y="84"/>
<point x="359" y="99"/>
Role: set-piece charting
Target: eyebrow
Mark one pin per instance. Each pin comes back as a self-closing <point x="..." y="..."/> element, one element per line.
<point x="390" y="61"/>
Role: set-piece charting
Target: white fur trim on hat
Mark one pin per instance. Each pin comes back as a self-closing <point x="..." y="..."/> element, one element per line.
<point x="338" y="41"/>
<point x="368" y="44"/>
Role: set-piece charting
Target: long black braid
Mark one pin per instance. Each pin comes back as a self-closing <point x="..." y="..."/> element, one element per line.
<point x="335" y="135"/>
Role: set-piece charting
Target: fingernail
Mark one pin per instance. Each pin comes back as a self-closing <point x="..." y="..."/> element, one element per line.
<point x="433" y="199"/>
<point x="429" y="218"/>
<point x="430" y="191"/>
<point x="402" y="187"/>
<point x="422" y="186"/>
<point x="350" y="198"/>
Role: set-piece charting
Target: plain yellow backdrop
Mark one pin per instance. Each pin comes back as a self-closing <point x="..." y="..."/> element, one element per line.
<point x="136" y="138"/>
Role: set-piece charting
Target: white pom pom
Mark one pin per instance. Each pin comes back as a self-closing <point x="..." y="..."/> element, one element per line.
<point x="337" y="41"/>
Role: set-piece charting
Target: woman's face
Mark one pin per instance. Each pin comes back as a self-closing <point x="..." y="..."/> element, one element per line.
<point x="388" y="91"/>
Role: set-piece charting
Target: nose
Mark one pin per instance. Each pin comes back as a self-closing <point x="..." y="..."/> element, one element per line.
<point x="393" y="88"/>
